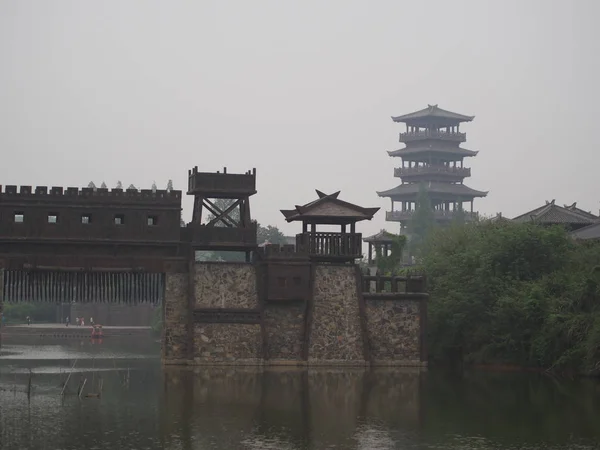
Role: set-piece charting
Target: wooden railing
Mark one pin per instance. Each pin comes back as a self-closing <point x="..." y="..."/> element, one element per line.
<point x="431" y="170"/>
<point x="410" y="136"/>
<point x="377" y="284"/>
<point x="438" y="215"/>
<point x="343" y="246"/>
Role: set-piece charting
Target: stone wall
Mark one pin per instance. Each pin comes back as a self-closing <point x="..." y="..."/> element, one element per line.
<point x="394" y="331"/>
<point x="225" y="285"/>
<point x="335" y="330"/>
<point x="284" y="325"/>
<point x="227" y="343"/>
<point x="176" y="319"/>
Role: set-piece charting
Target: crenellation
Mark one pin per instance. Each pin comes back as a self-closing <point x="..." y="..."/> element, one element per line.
<point x="58" y="191"/>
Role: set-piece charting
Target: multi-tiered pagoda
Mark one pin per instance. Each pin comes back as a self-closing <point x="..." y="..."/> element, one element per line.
<point x="432" y="160"/>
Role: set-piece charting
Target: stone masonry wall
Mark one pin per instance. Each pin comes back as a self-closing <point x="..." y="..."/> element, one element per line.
<point x="285" y="331"/>
<point x="175" y="339"/>
<point x="335" y="335"/>
<point x="394" y="331"/>
<point x="227" y="343"/>
<point x="226" y="285"/>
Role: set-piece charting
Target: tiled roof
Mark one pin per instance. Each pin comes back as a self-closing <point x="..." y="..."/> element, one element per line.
<point x="433" y="111"/>
<point x="589" y="232"/>
<point x="433" y="187"/>
<point x="551" y="213"/>
<point x="328" y="208"/>
<point x="406" y="151"/>
<point x="382" y="236"/>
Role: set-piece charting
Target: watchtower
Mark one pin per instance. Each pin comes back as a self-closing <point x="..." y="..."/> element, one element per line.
<point x="229" y="227"/>
<point x="381" y="243"/>
<point x="345" y="246"/>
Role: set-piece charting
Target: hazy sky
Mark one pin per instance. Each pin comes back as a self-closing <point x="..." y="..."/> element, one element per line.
<point x="143" y="90"/>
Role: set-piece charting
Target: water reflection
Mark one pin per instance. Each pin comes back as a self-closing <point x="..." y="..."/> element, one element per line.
<point x="144" y="406"/>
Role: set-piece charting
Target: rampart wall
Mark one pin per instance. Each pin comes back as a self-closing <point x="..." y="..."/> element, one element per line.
<point x="223" y="316"/>
<point x="73" y="213"/>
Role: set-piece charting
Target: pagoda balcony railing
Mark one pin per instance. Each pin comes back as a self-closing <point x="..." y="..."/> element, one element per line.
<point x="330" y="246"/>
<point x="437" y="215"/>
<point x="411" y="136"/>
<point x="433" y="170"/>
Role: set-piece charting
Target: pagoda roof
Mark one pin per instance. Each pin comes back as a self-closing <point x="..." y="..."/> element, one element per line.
<point x="432" y="112"/>
<point x="328" y="209"/>
<point x="553" y="214"/>
<point x="588" y="232"/>
<point x="434" y="187"/>
<point x="382" y="236"/>
<point x="409" y="151"/>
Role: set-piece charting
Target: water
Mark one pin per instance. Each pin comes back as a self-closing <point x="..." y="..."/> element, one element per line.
<point x="144" y="406"/>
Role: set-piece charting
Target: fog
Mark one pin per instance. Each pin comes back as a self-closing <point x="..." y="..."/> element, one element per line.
<point x="143" y="90"/>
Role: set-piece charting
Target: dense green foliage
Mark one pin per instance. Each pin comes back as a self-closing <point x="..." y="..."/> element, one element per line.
<point x="506" y="293"/>
<point x="390" y="264"/>
<point x="38" y="312"/>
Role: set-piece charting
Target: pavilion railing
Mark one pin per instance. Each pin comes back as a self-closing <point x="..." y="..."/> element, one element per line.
<point x="376" y="284"/>
<point x="334" y="245"/>
<point x="438" y="215"/>
<point x="426" y="170"/>
<point x="410" y="136"/>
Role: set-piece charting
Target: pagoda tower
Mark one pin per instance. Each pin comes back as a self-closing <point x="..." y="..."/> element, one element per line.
<point x="434" y="161"/>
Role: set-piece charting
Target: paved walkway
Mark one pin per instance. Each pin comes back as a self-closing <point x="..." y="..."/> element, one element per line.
<point x="52" y="326"/>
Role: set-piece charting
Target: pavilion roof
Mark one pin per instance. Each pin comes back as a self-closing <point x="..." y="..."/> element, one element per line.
<point x="383" y="236"/>
<point x="328" y="209"/>
<point x="433" y="187"/>
<point x="551" y="213"/>
<point x="588" y="232"/>
<point x="425" y="149"/>
<point x="431" y="112"/>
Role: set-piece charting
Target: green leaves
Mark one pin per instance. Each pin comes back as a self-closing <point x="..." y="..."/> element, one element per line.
<point x="512" y="293"/>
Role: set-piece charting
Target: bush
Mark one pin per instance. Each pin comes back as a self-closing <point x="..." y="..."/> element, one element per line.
<point x="507" y="293"/>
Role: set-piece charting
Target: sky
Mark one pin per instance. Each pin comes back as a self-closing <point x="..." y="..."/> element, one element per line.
<point x="143" y="90"/>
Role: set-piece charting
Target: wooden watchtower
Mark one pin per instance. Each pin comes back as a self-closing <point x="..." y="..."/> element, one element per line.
<point x="343" y="246"/>
<point x="229" y="228"/>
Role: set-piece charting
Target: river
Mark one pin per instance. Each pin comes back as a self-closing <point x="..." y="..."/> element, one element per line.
<point x="145" y="406"/>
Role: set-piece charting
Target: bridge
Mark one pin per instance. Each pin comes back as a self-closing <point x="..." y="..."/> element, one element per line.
<point x="128" y="247"/>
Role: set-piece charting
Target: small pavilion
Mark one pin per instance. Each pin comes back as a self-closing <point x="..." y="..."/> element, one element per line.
<point x="343" y="246"/>
<point x="380" y="242"/>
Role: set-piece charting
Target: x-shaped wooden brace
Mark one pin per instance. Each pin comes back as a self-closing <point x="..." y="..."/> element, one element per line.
<point x="222" y="216"/>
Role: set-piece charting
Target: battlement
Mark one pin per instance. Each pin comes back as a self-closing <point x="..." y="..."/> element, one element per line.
<point x="221" y="184"/>
<point x="104" y="195"/>
<point x="272" y="252"/>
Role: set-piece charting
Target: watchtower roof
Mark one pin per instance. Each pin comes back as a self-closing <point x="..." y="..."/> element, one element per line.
<point x="433" y="187"/>
<point x="384" y="237"/>
<point x="329" y="209"/>
<point x="551" y="213"/>
<point x="428" y="149"/>
<point x="419" y="118"/>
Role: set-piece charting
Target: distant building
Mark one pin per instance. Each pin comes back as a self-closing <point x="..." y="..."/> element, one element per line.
<point x="434" y="159"/>
<point x="571" y="217"/>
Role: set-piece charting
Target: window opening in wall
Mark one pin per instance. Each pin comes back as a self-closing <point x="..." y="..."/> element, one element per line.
<point x="152" y="221"/>
<point x="86" y="218"/>
<point x="19" y="217"/>
<point x="53" y="218"/>
<point x="119" y="219"/>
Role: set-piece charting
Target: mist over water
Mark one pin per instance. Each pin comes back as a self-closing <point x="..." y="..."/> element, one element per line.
<point x="146" y="406"/>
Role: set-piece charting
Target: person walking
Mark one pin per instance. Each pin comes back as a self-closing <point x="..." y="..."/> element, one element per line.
<point x="67" y="321"/>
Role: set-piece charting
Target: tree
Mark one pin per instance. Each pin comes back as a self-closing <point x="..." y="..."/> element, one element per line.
<point x="119" y="185"/>
<point x="103" y="185"/>
<point x="422" y="221"/>
<point x="507" y="293"/>
<point x="270" y="234"/>
<point x="391" y="263"/>
<point x="91" y="185"/>
<point x="169" y="185"/>
<point x="154" y="186"/>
